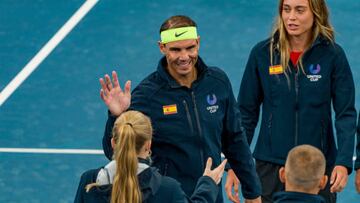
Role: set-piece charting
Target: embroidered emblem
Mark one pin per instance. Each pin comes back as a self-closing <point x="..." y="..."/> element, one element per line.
<point x="314" y="70"/>
<point x="276" y="70"/>
<point x="170" y="109"/>
<point x="211" y="100"/>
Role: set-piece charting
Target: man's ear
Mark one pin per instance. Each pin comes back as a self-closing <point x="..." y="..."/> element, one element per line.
<point x="161" y="47"/>
<point x="282" y="174"/>
<point x="323" y="182"/>
<point x="113" y="143"/>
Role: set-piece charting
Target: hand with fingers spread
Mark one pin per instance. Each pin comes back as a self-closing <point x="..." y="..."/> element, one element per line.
<point x="232" y="182"/>
<point x="113" y="96"/>
<point x="339" y="178"/>
<point x="357" y="180"/>
<point x="217" y="172"/>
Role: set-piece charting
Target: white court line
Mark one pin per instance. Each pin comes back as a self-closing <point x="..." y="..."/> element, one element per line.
<point x="62" y="151"/>
<point x="46" y="50"/>
<point x="51" y="151"/>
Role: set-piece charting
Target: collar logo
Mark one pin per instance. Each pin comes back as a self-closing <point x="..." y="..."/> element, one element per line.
<point x="181" y="33"/>
<point x="211" y="100"/>
<point x="314" y="72"/>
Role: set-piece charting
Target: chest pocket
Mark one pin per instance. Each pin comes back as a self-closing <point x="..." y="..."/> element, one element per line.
<point x="279" y="89"/>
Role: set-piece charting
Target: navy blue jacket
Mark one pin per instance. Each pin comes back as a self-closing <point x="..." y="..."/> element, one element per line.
<point x="357" y="161"/>
<point x="297" y="197"/>
<point x="154" y="188"/>
<point x="203" y="122"/>
<point x="298" y="111"/>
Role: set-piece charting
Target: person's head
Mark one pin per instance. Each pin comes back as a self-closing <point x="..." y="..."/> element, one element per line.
<point x="180" y="45"/>
<point x="304" y="170"/>
<point x="132" y="133"/>
<point x="302" y="20"/>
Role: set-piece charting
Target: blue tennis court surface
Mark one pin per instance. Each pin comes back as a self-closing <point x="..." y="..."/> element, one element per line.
<point x="58" y="105"/>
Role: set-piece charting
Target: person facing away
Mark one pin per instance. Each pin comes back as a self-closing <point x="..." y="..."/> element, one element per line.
<point x="357" y="161"/>
<point x="303" y="176"/>
<point x="296" y="76"/>
<point x="130" y="178"/>
<point x="193" y="110"/>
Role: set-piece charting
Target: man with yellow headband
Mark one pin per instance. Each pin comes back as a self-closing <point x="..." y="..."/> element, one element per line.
<point x="193" y="112"/>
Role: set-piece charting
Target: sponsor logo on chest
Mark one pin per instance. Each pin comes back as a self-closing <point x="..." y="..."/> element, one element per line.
<point x="212" y="100"/>
<point x="314" y="70"/>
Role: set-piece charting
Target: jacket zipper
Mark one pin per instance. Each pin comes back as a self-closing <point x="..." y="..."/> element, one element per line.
<point x="296" y="107"/>
<point x="199" y="128"/>
<point x="269" y="127"/>
<point x="322" y="135"/>
<point x="188" y="116"/>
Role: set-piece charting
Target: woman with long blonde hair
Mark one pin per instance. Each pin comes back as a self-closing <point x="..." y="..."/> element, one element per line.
<point x="129" y="178"/>
<point x="295" y="76"/>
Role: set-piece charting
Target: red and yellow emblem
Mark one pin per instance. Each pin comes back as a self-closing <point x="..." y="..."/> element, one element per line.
<point x="275" y="70"/>
<point x="170" y="109"/>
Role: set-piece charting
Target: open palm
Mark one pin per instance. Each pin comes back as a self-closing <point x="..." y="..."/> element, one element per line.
<point x="113" y="96"/>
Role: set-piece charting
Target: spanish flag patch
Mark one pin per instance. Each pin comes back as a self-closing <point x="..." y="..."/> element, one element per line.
<point x="275" y="70"/>
<point x="170" y="109"/>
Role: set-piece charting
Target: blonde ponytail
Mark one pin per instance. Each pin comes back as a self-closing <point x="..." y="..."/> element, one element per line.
<point x="131" y="130"/>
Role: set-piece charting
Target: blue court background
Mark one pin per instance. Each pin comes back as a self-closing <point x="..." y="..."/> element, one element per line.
<point x="59" y="106"/>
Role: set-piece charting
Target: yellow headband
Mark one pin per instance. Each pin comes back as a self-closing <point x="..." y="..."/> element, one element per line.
<point x="176" y="34"/>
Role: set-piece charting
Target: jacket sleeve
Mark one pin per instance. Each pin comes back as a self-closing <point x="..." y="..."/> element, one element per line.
<point x="357" y="162"/>
<point x="343" y="98"/>
<point x="106" y="142"/>
<point x="250" y="96"/>
<point x="139" y="103"/>
<point x="237" y="150"/>
<point x="205" y="191"/>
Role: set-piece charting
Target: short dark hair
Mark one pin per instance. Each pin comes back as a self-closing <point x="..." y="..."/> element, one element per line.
<point x="176" y="22"/>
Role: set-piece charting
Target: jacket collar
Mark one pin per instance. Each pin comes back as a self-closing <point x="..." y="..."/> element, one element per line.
<point x="297" y="197"/>
<point x="164" y="74"/>
<point x="106" y="175"/>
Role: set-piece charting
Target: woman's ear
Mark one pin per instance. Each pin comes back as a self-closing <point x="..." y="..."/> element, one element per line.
<point x="113" y="143"/>
<point x="148" y="145"/>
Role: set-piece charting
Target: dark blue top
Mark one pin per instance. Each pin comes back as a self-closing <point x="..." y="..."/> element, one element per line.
<point x="297" y="197"/>
<point x="297" y="110"/>
<point x="204" y="122"/>
<point x="154" y="188"/>
<point x="357" y="162"/>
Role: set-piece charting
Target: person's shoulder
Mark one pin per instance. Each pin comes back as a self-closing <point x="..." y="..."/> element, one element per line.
<point x="150" y="84"/>
<point x="262" y="45"/>
<point x="163" y="188"/>
<point x="218" y="74"/>
<point x="89" y="176"/>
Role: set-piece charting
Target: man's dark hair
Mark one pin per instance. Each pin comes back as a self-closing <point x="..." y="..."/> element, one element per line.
<point x="176" y="22"/>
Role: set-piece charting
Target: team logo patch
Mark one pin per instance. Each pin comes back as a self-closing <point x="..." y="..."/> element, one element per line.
<point x="170" y="109"/>
<point x="276" y="70"/>
<point x="314" y="72"/>
<point x="211" y="100"/>
<point x="314" y="69"/>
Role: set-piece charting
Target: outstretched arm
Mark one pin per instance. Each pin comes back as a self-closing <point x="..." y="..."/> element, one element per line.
<point x="117" y="102"/>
